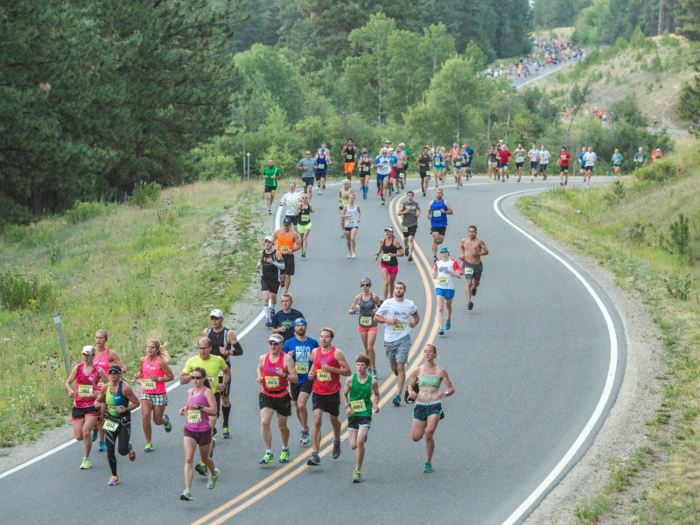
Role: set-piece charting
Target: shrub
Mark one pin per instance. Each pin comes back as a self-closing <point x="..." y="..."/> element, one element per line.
<point x="19" y="290"/>
<point x="145" y="193"/>
<point x="660" y="171"/>
<point x="84" y="211"/>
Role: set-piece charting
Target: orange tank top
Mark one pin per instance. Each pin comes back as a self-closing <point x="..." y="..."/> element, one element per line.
<point x="285" y="243"/>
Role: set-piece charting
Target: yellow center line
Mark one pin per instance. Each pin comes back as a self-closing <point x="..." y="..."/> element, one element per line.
<point x="293" y="469"/>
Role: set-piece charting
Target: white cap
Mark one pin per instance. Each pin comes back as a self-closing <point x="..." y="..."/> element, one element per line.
<point x="402" y="144"/>
<point x="276" y="337"/>
<point x="216" y="313"/>
<point x="269" y="238"/>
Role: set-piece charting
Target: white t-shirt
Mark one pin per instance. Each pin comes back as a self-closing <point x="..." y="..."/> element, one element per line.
<point x="383" y="165"/>
<point x="402" y="311"/>
<point x="544" y="157"/>
<point x="589" y="158"/>
<point x="445" y="280"/>
<point x="290" y="199"/>
<point x="534" y="155"/>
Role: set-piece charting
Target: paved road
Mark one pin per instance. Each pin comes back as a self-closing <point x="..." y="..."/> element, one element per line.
<point x="529" y="364"/>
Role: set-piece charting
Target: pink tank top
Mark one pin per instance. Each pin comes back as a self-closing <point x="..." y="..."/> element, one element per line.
<point x="102" y="362"/>
<point x="197" y="421"/>
<point x="86" y="387"/>
<point x="149" y="370"/>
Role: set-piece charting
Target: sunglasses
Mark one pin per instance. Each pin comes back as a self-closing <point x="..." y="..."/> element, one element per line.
<point x="114" y="373"/>
<point x="274" y="343"/>
<point x="202" y="348"/>
<point x="196" y="377"/>
<point x="212" y="318"/>
<point x="364" y="285"/>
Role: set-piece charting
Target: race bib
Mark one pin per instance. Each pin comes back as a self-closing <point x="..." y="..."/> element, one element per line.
<point x="110" y="425"/>
<point x="349" y="222"/>
<point x="437" y="213"/>
<point x="399" y="326"/>
<point x="468" y="271"/>
<point x="272" y="382"/>
<point x="194" y="416"/>
<point x="149" y="384"/>
<point x="302" y="368"/>
<point x="365" y="320"/>
<point x="85" y="390"/>
<point x="404" y="229"/>
<point x="348" y="156"/>
<point x="284" y="250"/>
<point x="304" y="217"/>
<point x="323" y="376"/>
<point x="386" y="257"/>
<point x="321" y="166"/>
<point x="212" y="381"/>
<point x="291" y="205"/>
<point x="443" y="280"/>
<point x="365" y="169"/>
<point x="358" y="405"/>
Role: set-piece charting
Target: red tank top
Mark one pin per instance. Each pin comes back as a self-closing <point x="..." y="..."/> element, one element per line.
<point x="86" y="387"/>
<point x="326" y="383"/>
<point x="149" y="370"/>
<point x="274" y="385"/>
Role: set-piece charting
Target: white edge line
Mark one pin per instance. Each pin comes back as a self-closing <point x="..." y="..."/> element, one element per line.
<point x="609" y="382"/>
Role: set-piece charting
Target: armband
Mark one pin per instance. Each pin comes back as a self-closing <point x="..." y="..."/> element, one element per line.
<point x="237" y="349"/>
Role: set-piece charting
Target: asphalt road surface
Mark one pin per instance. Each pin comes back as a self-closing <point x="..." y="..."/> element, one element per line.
<point x="536" y="367"/>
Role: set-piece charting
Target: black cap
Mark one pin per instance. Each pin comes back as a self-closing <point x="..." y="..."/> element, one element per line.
<point x="115" y="368"/>
<point x="287" y="221"/>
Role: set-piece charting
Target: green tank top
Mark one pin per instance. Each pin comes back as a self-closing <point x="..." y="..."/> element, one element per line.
<point x="360" y="397"/>
<point x="115" y="400"/>
<point x="428" y="381"/>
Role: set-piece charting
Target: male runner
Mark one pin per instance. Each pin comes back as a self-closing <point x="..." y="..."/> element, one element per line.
<point x="640" y="159"/>
<point x="359" y="390"/>
<point x="470" y="155"/>
<point x="544" y="161"/>
<point x="383" y="165"/>
<point x="409" y="211"/>
<point x="400" y="316"/>
<point x="457" y="163"/>
<point x="519" y="155"/>
<point x="423" y="162"/>
<point x="564" y="159"/>
<point x="283" y="321"/>
<point x="472" y="250"/>
<point x="400" y="167"/>
<point x="224" y="343"/>
<point x="582" y="162"/>
<point x="288" y="241"/>
<point x="438" y="210"/>
<point x="289" y="201"/>
<point x="349" y="152"/>
<point x="503" y="160"/>
<point x="328" y="365"/>
<point x="306" y="166"/>
<point x="270" y="174"/>
<point x="534" y="155"/>
<point x="590" y="159"/>
<point x="269" y="265"/>
<point x="299" y="348"/>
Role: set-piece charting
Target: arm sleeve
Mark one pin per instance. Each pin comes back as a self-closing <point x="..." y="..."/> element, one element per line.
<point x="279" y="264"/>
<point x="237" y="349"/>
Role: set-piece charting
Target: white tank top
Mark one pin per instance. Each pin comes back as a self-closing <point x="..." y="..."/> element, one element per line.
<point x="351" y="222"/>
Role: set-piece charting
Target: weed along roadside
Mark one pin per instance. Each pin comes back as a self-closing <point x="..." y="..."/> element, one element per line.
<point x="646" y="230"/>
<point x="129" y="269"/>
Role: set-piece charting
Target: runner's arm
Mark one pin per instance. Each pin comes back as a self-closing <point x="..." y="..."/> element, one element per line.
<point x="312" y="370"/>
<point x="448" y="384"/>
<point x="375" y="391"/>
<point x="211" y="401"/>
<point x="290" y="369"/>
<point x="346" y="393"/>
<point x="344" y="367"/>
<point x="232" y="340"/>
<point x="297" y="241"/>
<point x="412" y="383"/>
<point x="484" y="249"/>
<point x="260" y="370"/>
<point x="70" y="380"/>
<point x="353" y="305"/>
<point x="131" y="396"/>
<point x="114" y="358"/>
<point x="166" y="370"/>
<point x="449" y="208"/>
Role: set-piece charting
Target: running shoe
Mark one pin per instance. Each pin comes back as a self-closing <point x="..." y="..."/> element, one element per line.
<point x="95" y="433"/>
<point x="284" y="456"/>
<point x="148" y="447"/>
<point x="85" y="464"/>
<point x="448" y="324"/>
<point x="227" y="433"/>
<point x="473" y="291"/>
<point x="410" y="258"/>
<point x="272" y="314"/>
<point x="427" y="468"/>
<point x="168" y="424"/>
<point x="356" y="477"/>
<point x="407" y="252"/>
<point x="269" y="212"/>
<point x="383" y="202"/>
<point x="102" y="447"/>
<point x="336" y="449"/>
<point x="423" y="194"/>
<point x="342" y="234"/>
<point x="132" y="453"/>
<point x="377" y="193"/>
<point x="352" y="255"/>
<point x="470" y="306"/>
<point x="303" y="254"/>
<point x="114" y="480"/>
<point x="441" y="332"/>
<point x="268" y="323"/>
<point x="267" y="459"/>
<point x="436" y="184"/>
<point x="376" y="374"/>
<point x="396" y="400"/>
<point x="201" y="469"/>
<point x="186" y="495"/>
<point x="434" y="258"/>
<point x="305" y="437"/>
<point x="314" y="461"/>
<point x="364" y="196"/>
<point x="320" y="192"/>
<point x="213" y="480"/>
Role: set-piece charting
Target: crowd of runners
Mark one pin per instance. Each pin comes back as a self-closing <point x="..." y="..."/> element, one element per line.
<point x="548" y="52"/>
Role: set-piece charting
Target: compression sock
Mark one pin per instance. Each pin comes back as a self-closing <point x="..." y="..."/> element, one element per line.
<point x="112" y="459"/>
<point x="226" y="411"/>
<point x="266" y="310"/>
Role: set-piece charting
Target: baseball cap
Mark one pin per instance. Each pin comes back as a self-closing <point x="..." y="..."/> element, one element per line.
<point x="88" y="350"/>
<point x="276" y="337"/>
<point x="402" y="144"/>
<point x="387" y="141"/>
<point x="216" y="313"/>
<point x="444" y="249"/>
<point x="269" y="238"/>
<point x="287" y="221"/>
<point x="301" y="320"/>
<point x="389" y="229"/>
<point x="115" y="368"/>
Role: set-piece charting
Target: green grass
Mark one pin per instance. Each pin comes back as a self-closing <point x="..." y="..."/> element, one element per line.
<point x="137" y="272"/>
<point x="630" y="235"/>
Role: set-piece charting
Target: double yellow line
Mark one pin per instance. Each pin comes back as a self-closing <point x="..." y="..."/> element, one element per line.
<point x="426" y="334"/>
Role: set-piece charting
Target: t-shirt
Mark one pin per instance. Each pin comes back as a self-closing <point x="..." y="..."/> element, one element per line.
<point x="639" y="158"/>
<point x="308" y="165"/>
<point x="544" y="156"/>
<point x="409" y="219"/>
<point x="589" y="158"/>
<point x="519" y="155"/>
<point x="402" y="311"/>
<point x="384" y="165"/>
<point x="269" y="173"/>
<point x="617" y="159"/>
<point x="581" y="160"/>
<point x="445" y="280"/>
<point x="503" y="156"/>
<point x="290" y="200"/>
<point x="287" y="320"/>
<point x="211" y="366"/>
<point x="470" y="152"/>
<point x="564" y="159"/>
<point x="300" y="352"/>
<point x="534" y="155"/>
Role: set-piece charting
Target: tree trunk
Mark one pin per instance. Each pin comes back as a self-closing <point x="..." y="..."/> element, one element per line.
<point x="660" y="29"/>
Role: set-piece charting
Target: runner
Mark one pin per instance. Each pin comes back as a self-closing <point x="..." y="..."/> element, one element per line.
<point x="365" y="305"/>
<point x="617" y="159"/>
<point x="519" y="155"/>
<point x="271" y="174"/>
<point x="640" y="159"/>
<point x="492" y="160"/>
<point x="288" y="241"/>
<point x="224" y="343"/>
<point x="322" y="161"/>
<point x="349" y="152"/>
<point x="472" y="249"/>
<point x="438" y="210"/>
<point x="503" y="160"/>
<point x="400" y="167"/>
<point x="383" y="165"/>
<point x="358" y="394"/>
<point x="306" y="166"/>
<point x="154" y="373"/>
<point x="581" y="160"/>
<point x="534" y="155"/>
<point x="269" y="265"/>
<point x="275" y="372"/>
<point x="590" y="159"/>
<point x="439" y="162"/>
<point x="409" y="212"/>
<point x="365" y="169"/>
<point x="303" y="219"/>
<point x="289" y="201"/>
<point x="343" y="194"/>
<point x="656" y="155"/>
<point x="86" y="376"/>
<point x="564" y="159"/>
<point x="544" y="161"/>
<point x="424" y="388"/>
<point x="423" y="162"/>
<point x="121" y="401"/>
<point x="283" y="321"/>
<point x="389" y="249"/>
<point x="200" y="409"/>
<point x="299" y="348"/>
<point x="457" y="163"/>
<point x="104" y="358"/>
<point x="212" y="365"/>
<point x="470" y="156"/>
<point x="351" y="215"/>
<point x="392" y="173"/>
<point x="444" y="270"/>
<point x="400" y="316"/>
<point x="328" y="364"/>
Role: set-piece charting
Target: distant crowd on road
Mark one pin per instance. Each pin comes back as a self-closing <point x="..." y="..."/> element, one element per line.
<point x="547" y="52"/>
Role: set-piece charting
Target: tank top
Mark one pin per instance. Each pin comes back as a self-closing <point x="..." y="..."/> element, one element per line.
<point x="360" y="397"/>
<point x="367" y="312"/>
<point x="274" y="385"/>
<point x="438" y="218"/>
<point x="351" y="222"/>
<point x="321" y="164"/>
<point x="437" y="160"/>
<point x="285" y="243"/>
<point x="304" y="215"/>
<point x="344" y="196"/>
<point x="365" y="165"/>
<point x="388" y="257"/>
<point x="350" y="154"/>
<point x="115" y="400"/>
<point x="458" y="161"/>
<point x="425" y="380"/>
<point x="326" y="383"/>
<point x="149" y="370"/>
<point x="102" y="362"/>
<point x="270" y="272"/>
<point x="86" y="387"/>
<point x="197" y="421"/>
<point x="218" y="339"/>
<point x="424" y="163"/>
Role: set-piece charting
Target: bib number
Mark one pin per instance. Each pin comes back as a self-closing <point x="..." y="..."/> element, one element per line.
<point x="443" y="280"/>
<point x="302" y="368"/>
<point x="194" y="416"/>
<point x="321" y="166"/>
<point x="110" y="425"/>
<point x="284" y="250"/>
<point x="213" y="381"/>
<point x="399" y="326"/>
<point x="349" y="156"/>
<point x="149" y="384"/>
<point x="358" y="405"/>
<point x="365" y="169"/>
<point x="291" y="205"/>
<point x="437" y="213"/>
<point x="323" y="376"/>
<point x="404" y="229"/>
<point x="272" y="382"/>
<point x="365" y="320"/>
<point x="85" y="390"/>
<point x="305" y="217"/>
<point x="468" y="271"/>
<point x="386" y="257"/>
<point x="349" y="222"/>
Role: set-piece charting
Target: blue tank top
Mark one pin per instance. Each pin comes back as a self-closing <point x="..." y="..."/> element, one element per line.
<point x="115" y="400"/>
<point x="438" y="218"/>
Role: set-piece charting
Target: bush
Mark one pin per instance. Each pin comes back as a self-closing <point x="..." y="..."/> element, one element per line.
<point x="84" y="211"/>
<point x="19" y="290"/>
<point x="145" y="193"/>
<point x="661" y="171"/>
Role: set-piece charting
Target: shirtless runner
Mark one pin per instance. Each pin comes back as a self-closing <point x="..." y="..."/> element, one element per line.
<point x="472" y="250"/>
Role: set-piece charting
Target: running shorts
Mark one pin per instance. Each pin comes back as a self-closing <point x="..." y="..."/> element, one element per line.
<point x="297" y="388"/>
<point x="270" y="189"/>
<point x="397" y="351"/>
<point x="329" y="403"/>
<point x="158" y="400"/>
<point x="349" y="167"/>
<point x="422" y="411"/>
<point x="272" y="286"/>
<point x="201" y="438"/>
<point x="438" y="229"/>
<point x="446" y="293"/>
<point x="475" y="274"/>
<point x="410" y="231"/>
<point x="281" y="405"/>
<point x="81" y="413"/>
<point x="288" y="265"/>
<point x="355" y="422"/>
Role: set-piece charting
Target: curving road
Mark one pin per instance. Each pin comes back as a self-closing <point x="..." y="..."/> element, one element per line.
<point x="536" y="367"/>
